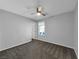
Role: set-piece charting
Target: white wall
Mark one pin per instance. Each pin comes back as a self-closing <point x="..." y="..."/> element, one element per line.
<point x="60" y="29"/>
<point x="76" y="30"/>
<point x="14" y="30"/>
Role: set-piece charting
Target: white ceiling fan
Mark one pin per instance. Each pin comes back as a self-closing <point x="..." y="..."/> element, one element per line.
<point x="39" y="10"/>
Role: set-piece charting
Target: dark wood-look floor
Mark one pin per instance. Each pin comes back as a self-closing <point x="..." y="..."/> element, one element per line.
<point x="38" y="50"/>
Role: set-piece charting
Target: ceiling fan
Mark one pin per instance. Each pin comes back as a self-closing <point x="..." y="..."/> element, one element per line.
<point x="39" y="10"/>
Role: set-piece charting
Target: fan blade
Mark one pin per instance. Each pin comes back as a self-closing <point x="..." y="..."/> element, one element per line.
<point x="43" y="14"/>
<point x="37" y="10"/>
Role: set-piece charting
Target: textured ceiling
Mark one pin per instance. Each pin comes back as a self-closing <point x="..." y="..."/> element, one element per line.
<point x="27" y="7"/>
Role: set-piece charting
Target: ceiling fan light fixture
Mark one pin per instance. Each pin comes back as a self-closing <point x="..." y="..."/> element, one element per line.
<point x="39" y="14"/>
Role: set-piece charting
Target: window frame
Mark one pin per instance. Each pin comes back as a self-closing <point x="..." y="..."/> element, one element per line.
<point x="41" y="28"/>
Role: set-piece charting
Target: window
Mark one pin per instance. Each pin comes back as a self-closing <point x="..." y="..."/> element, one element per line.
<point x="41" y="28"/>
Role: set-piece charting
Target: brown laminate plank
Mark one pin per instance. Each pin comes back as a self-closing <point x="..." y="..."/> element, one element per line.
<point x="37" y="49"/>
